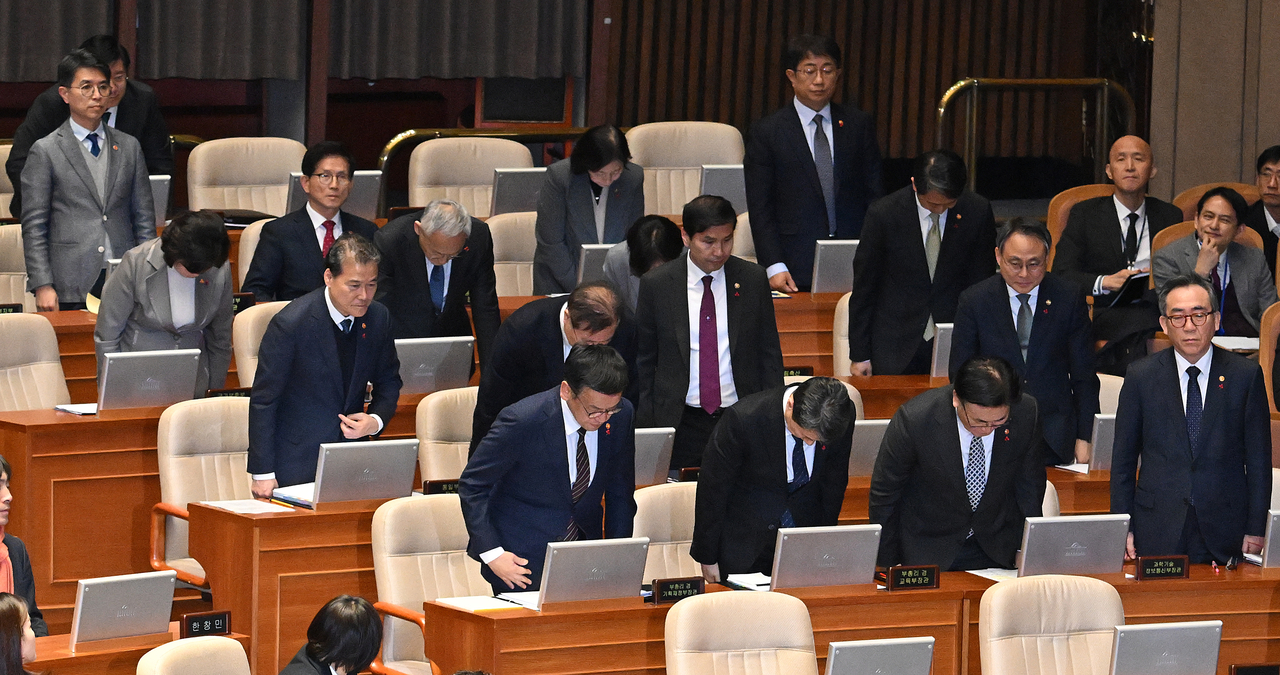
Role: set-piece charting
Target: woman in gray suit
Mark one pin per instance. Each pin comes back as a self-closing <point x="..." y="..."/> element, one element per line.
<point x="173" y="292"/>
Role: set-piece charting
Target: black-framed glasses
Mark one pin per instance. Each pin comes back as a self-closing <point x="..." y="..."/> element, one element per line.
<point x="328" y="178"/>
<point x="980" y="424"/>
<point x="1197" y="319"/>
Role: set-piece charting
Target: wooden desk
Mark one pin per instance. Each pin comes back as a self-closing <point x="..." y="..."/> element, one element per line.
<point x="882" y="395"/>
<point x="1078" y="494"/>
<point x="53" y="656"/>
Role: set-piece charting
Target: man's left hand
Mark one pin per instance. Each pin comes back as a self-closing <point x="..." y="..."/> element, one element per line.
<point x="1253" y="544"/>
<point x="358" y="425"/>
<point x="1084" y="449"/>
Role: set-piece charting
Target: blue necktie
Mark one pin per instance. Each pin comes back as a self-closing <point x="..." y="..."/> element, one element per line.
<point x="346" y="325"/>
<point x="800" y="476"/>
<point x="93" y="143"/>
<point x="437" y="288"/>
<point x="1195" y="406"/>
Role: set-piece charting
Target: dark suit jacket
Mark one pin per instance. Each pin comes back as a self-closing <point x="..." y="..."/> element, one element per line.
<point x="297" y="391"/>
<point x="1091" y="244"/>
<point x="1228" y="477"/>
<point x="24" y="583"/>
<point x="515" y="490"/>
<point x="287" y="263"/>
<point x="140" y="117"/>
<point x="784" y="197"/>
<point x="918" y="488"/>
<point x="742" y="486"/>
<point x="662" y="320"/>
<point x="1257" y="219"/>
<point x="1250" y="278"/>
<point x="892" y="294"/>
<point x="1058" y="370"/>
<point x="305" y="665"/>
<point x="403" y="287"/>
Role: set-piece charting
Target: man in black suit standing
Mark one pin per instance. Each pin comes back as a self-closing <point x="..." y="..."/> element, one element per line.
<point x="1196" y="416"/>
<point x="433" y="262"/>
<point x="1264" y="216"/>
<point x="707" y="332"/>
<point x="959" y="471"/>
<point x="777" y="458"/>
<point x="812" y="168"/>
<point x="921" y="247"/>
<point x="1038" y="322"/>
<point x="289" y="261"/>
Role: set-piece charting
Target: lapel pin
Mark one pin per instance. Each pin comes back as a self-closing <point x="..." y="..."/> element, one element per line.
<point x="204" y="282"/>
<point x="606" y="428"/>
<point x="840" y="123"/>
<point x="1222" y="378"/>
<point x="115" y="147"/>
<point x="737" y="285"/>
<point x="1048" y="302"/>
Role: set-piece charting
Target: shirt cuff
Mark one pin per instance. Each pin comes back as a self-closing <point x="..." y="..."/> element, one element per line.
<point x="776" y="268"/>
<point x="491" y="555"/>
<point x="380" y="425"/>
<point x="1097" y="287"/>
<point x="264" y="476"/>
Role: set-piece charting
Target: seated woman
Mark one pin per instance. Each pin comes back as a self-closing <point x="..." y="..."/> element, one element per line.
<point x="345" y="636"/>
<point x="589" y="198"/>
<point x="17" y="640"/>
<point x="173" y="292"/>
<point x="15" y="564"/>
<point x="651" y="241"/>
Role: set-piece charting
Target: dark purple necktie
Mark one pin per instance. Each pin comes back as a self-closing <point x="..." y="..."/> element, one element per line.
<point x="708" y="351"/>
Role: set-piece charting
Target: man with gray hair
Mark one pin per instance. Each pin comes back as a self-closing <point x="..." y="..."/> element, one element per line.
<point x="432" y="262"/>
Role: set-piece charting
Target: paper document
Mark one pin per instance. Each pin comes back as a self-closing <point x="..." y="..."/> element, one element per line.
<point x="995" y="574"/>
<point x="78" y="408"/>
<point x="526" y="599"/>
<point x="248" y="506"/>
<point x="303" y="494"/>
<point x="477" y="603"/>
<point x="1077" y="467"/>
<point x="754" y="581"/>
<point x="1236" y="344"/>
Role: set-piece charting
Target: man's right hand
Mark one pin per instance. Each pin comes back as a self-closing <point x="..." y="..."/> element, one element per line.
<point x="262" y="488"/>
<point x="711" y="573"/>
<point x="1130" y="553"/>
<point x="508" y="568"/>
<point x="46" y="299"/>
<point x="1112" y="282"/>
<point x="861" y="369"/>
<point x="782" y="282"/>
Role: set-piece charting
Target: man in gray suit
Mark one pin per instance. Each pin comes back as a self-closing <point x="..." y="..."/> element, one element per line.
<point x="87" y="197"/>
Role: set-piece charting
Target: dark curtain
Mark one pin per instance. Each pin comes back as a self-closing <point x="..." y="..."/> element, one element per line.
<point x="222" y="39"/>
<point x="458" y="38"/>
<point x="38" y="33"/>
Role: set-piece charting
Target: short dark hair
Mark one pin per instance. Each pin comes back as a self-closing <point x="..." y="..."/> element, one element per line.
<point x="1269" y="156"/>
<point x="324" y="149"/>
<point x="1183" y="281"/>
<point x="346" y="632"/>
<point x="801" y="46"/>
<point x="707" y="211"/>
<point x="599" y="147"/>
<point x="1237" y="202"/>
<point x="13" y="614"/>
<point x="940" y="171"/>
<point x="108" y="50"/>
<point x="197" y="239"/>
<point x="988" y="381"/>
<point x="652" y="239"/>
<point x="596" y="367"/>
<point x="594" y="306"/>
<point x="1029" y="227"/>
<point x="5" y="468"/>
<point x="351" y="246"/>
<point x="77" y="59"/>
<point x="822" y="404"/>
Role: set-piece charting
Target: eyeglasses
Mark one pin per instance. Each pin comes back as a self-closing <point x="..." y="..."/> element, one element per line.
<point x="596" y="414"/>
<point x="980" y="424"/>
<point x="810" y="71"/>
<point x="328" y="178"/>
<point x="1197" y="319"/>
<point x="86" y="90"/>
<point x="1032" y="266"/>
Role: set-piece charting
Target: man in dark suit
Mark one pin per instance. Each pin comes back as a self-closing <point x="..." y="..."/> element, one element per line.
<point x="131" y="107"/>
<point x="435" y="263"/>
<point x="921" y="247"/>
<point x="541" y="472"/>
<point x="1264" y="216"/>
<point x="777" y="458"/>
<point x="289" y="261"/>
<point x="1039" y="323"/>
<point x="959" y="471"/>
<point x="1197" y="417"/>
<point x="314" y="361"/>
<point x="799" y="190"/>
<point x="707" y="332"/>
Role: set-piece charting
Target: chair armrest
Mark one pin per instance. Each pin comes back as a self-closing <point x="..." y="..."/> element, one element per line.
<point x="417" y="618"/>
<point x="159" y="512"/>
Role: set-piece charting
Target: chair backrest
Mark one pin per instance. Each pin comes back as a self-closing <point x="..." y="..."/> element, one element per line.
<point x="13" y="268"/>
<point x="513" y="245"/>
<point x="444" y="432"/>
<point x="420" y="554"/>
<point x="1188" y="198"/>
<point x="243" y="173"/>
<point x="6" y="186"/>
<point x="664" y="514"/>
<point x="249" y="237"/>
<point x="854" y="394"/>
<point x="31" y="375"/>
<point x="672" y="154"/>
<point x="202" y="448"/>
<point x="1269" y="328"/>
<point x="744" y="246"/>
<point x="461" y="169"/>
<point x="247" y="330"/>
<point x="1245" y="236"/>
<point x="1060" y="208"/>
<point x="1050" y="508"/>
<point x="842" y="366"/>
<point x="740" y="634"/>
<point x="206" y="655"/>
<point x="1050" y="624"/>
<point x="1109" y="393"/>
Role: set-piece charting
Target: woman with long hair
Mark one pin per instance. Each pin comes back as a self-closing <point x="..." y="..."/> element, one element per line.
<point x="17" y="640"/>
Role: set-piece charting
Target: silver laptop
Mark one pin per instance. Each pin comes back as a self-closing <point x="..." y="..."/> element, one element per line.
<point x="122" y="606"/>
<point x="434" y="364"/>
<point x="1271" y="547"/>
<point x="1104" y="438"/>
<point x="867" y="436"/>
<point x="362" y="200"/>
<point x="835" y="555"/>
<point x="941" y="351"/>
<point x="160" y="195"/>
<point x="516" y="190"/>
<point x="593" y="570"/>
<point x="895" y="656"/>
<point x="653" y="454"/>
<point x="357" y="470"/>
<point x="833" y="265"/>
<point x="148" y="379"/>
<point x="1073" y="545"/>
<point x="1182" y="648"/>
<point x="591" y="262"/>
<point x="728" y="181"/>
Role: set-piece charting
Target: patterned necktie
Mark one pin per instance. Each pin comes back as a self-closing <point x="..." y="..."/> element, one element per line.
<point x="975" y="474"/>
<point x="799" y="470"/>
<point x="328" y="237"/>
<point x="93" y="143"/>
<point x="826" y="172"/>
<point x="1024" y="323"/>
<point x="932" y="244"/>
<point x="1131" y="239"/>
<point x="1195" y="406"/>
<point x="708" y="351"/>
<point x="346" y="326"/>
<point x="437" y="288"/>
<point x="581" y="480"/>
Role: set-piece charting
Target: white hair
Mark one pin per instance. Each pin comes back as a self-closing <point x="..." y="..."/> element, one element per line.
<point x="447" y="217"/>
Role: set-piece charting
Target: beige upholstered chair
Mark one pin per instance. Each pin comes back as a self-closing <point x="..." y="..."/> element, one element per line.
<point x="1049" y="624"/>
<point x="13" y="268"/>
<point x="249" y="237"/>
<point x="1060" y="208"/>
<point x="854" y="394"/>
<point x="513" y="245"/>
<point x="419" y="554"/>
<point x="1109" y="393"/>
<point x="664" y="514"/>
<point x="672" y="154"/>
<point x="1268" y="330"/>
<point x="461" y="169"/>
<point x="444" y="432"/>
<point x="6" y="186"/>
<point x="1050" y="506"/>
<point x="243" y="173"/>
<point x="207" y="655"/>
<point x="842" y="366"/>
<point x="247" y="330"/>
<point x="30" y="368"/>
<point x="741" y="634"/>
<point x="1188" y="198"/>
<point x="744" y="246"/>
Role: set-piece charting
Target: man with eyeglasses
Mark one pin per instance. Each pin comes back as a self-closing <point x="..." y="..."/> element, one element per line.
<point x="88" y="197"/>
<point x="289" y="260"/>
<point x="1197" y="418"/>
<point x="1038" y="322"/>
<point x="541" y="472"/>
<point x="959" y="471"/>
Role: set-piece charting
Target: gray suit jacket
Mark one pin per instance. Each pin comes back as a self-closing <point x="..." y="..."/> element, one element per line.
<point x="566" y="221"/>
<point x="135" y="314"/>
<point x="1255" y="289"/>
<point x="617" y="269"/>
<point x="63" y="218"/>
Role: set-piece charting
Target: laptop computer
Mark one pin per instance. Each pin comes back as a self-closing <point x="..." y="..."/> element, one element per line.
<point x="653" y="454"/>
<point x="593" y="570"/>
<point x="148" y="379"/>
<point x="433" y="364"/>
<point x="1181" y="648"/>
<point x="867" y="436"/>
<point x="362" y="200"/>
<point x="1073" y="545"/>
<point x="591" y="262"/>
<point x="899" y="656"/>
<point x="356" y="471"/>
<point x="728" y="181"/>
<point x="941" y="351"/>
<point x="160" y="195"/>
<point x="516" y="190"/>
<point x="835" y="555"/>
<point x="122" y="606"/>
<point x="1270" y="556"/>
<point x="1104" y="437"/>
<point x="833" y="265"/>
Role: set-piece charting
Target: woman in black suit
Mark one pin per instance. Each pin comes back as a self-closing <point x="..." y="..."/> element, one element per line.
<point x="345" y="636"/>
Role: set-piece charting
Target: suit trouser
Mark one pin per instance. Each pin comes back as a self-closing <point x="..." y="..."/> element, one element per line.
<point x="691" y="437"/>
<point x="1191" y="542"/>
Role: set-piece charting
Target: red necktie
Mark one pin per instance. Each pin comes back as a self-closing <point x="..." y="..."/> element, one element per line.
<point x="328" y="237"/>
<point x="708" y="351"/>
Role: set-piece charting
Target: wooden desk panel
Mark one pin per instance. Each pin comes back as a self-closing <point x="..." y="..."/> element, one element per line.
<point x="1077" y="495"/>
<point x="882" y="395"/>
<point x="53" y="655"/>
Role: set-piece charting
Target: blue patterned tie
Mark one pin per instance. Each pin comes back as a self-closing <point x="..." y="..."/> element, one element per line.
<point x="93" y="143"/>
<point x="346" y="325"/>
<point x="1195" y="406"/>
<point x="437" y="288"/>
<point x="975" y="474"/>
<point x="800" y="476"/>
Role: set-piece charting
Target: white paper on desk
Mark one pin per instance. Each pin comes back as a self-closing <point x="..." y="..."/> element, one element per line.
<point x="1236" y="344"/>
<point x="476" y="603"/>
<point x="78" y="408"/>
<point x="754" y="581"/>
<point x="248" y="506"/>
<point x="995" y="574"/>
<point x="526" y="599"/>
<point x="1077" y="467"/>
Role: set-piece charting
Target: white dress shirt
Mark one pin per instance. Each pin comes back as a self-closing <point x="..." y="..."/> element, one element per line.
<point x="1143" y="260"/>
<point x="790" y="442"/>
<point x="111" y="114"/>
<point x="966" y="438"/>
<point x="1271" y="222"/>
<point x="1015" y="304"/>
<point x="564" y="337"/>
<point x="728" y="393"/>
<point x="810" y="130"/>
<point x="317" y="222"/>
<point x="182" y="298"/>
<point x="926" y="222"/>
<point x="1203" y="364"/>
